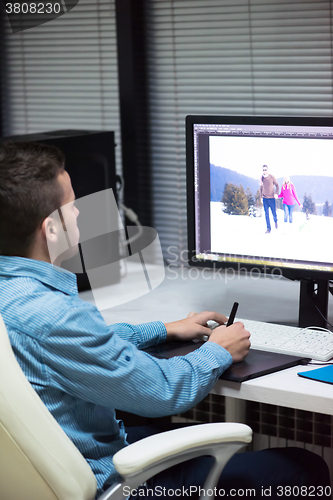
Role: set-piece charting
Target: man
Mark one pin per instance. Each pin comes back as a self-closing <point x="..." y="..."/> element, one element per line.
<point x="269" y="190"/>
<point x="83" y="369"/>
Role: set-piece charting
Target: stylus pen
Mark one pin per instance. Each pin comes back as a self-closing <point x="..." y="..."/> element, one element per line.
<point x="233" y="314"/>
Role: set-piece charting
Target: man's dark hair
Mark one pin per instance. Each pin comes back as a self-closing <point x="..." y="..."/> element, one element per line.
<point x="29" y="192"/>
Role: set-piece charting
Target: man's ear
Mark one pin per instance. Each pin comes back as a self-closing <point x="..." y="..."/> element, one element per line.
<point x="50" y="230"/>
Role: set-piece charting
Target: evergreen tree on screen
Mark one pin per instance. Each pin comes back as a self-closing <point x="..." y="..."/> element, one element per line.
<point x="309" y="207"/>
<point x="258" y="201"/>
<point x="234" y="200"/>
<point x="327" y="209"/>
<point x="251" y="203"/>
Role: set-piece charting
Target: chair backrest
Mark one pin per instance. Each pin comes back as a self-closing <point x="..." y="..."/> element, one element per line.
<point x="37" y="459"/>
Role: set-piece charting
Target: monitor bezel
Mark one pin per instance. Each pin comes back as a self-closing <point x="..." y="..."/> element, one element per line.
<point x="288" y="272"/>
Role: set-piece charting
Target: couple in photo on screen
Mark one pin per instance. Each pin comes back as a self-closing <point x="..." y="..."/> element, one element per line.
<point x="269" y="191"/>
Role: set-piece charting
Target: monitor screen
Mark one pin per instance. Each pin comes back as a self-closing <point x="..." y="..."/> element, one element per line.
<point x="260" y="193"/>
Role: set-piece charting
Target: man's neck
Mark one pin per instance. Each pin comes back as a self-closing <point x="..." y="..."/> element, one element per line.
<point x="38" y="250"/>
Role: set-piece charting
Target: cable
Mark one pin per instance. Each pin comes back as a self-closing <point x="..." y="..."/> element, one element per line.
<point x="131" y="215"/>
<point x="321" y="314"/>
<point x="119" y="183"/>
<point x="320" y="364"/>
<point x="330" y="286"/>
<point x="317" y="328"/>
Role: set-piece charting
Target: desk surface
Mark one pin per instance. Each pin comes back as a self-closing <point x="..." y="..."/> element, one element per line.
<point x="283" y="388"/>
<point x="261" y="299"/>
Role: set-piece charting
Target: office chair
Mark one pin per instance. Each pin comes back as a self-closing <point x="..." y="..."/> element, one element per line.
<point x="38" y="460"/>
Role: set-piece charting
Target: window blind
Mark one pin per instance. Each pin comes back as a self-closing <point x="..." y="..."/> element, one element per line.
<point x="63" y="74"/>
<point x="255" y="57"/>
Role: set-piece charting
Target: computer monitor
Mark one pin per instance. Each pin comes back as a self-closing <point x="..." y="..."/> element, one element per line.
<point x="235" y="167"/>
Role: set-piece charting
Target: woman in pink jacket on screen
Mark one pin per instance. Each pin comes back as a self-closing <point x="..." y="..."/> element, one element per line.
<point x="289" y="196"/>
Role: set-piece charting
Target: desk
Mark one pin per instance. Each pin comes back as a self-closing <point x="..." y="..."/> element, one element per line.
<point x="283" y="388"/>
<point x="262" y="299"/>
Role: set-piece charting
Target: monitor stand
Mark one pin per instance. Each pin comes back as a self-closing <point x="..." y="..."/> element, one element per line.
<point x="313" y="293"/>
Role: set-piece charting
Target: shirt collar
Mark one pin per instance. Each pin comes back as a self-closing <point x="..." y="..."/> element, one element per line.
<point x="46" y="273"/>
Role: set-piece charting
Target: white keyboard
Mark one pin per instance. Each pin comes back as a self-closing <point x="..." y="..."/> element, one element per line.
<point x="315" y="344"/>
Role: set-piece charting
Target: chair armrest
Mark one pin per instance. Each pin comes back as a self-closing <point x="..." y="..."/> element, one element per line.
<point x="140" y="455"/>
<point x="144" y="459"/>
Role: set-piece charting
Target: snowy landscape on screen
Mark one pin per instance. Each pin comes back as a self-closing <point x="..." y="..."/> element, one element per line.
<point x="307" y="240"/>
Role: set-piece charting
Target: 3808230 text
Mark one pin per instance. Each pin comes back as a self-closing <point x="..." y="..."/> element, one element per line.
<point x="33" y="8"/>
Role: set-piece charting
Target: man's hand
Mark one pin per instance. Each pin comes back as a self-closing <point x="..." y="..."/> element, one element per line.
<point x="276" y="196"/>
<point x="234" y="338"/>
<point x="194" y="326"/>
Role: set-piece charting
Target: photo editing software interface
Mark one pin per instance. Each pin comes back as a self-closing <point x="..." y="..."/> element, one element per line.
<point x="262" y="193"/>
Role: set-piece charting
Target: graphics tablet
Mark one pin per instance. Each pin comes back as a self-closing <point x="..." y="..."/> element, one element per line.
<point x="256" y="364"/>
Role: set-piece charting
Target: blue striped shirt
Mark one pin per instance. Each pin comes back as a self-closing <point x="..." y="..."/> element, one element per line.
<point x="83" y="369"/>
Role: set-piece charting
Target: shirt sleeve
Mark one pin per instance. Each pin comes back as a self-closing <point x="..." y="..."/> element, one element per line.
<point x="276" y="184"/>
<point x="86" y="359"/>
<point x="143" y="335"/>
<point x="295" y="195"/>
